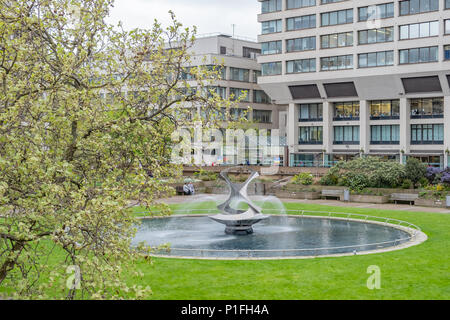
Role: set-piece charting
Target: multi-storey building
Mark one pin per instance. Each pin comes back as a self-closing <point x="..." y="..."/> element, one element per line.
<point x="361" y="77"/>
<point x="239" y="76"/>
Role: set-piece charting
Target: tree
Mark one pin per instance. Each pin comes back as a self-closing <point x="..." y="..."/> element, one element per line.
<point x="415" y="170"/>
<point x="86" y="113"/>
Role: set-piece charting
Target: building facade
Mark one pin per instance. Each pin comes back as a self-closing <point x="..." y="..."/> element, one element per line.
<point x="360" y="77"/>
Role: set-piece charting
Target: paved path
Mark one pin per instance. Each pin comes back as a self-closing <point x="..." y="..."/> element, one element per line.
<point x="388" y="206"/>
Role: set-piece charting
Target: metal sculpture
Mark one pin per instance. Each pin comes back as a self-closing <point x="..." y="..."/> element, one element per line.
<point x="237" y="221"/>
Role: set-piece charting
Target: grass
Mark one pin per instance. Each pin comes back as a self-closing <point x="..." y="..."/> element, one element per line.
<point x="420" y="272"/>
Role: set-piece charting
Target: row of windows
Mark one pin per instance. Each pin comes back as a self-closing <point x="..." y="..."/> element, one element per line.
<point x="379" y="11"/>
<point x="365" y="60"/>
<point x="259" y="96"/>
<point x="386" y="134"/>
<point x="379" y="110"/>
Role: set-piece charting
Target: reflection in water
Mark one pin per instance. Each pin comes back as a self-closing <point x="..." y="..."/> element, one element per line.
<point x="279" y="233"/>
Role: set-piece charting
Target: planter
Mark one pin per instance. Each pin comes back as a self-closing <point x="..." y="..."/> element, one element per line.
<point x="361" y="198"/>
<point x="298" y="195"/>
<point x="216" y="190"/>
<point x="430" y="203"/>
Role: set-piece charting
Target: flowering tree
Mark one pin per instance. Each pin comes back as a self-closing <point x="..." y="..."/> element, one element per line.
<point x="86" y="112"/>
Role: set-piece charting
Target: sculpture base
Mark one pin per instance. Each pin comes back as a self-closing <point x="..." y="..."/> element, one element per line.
<point x="238" y="227"/>
<point x="239" y="231"/>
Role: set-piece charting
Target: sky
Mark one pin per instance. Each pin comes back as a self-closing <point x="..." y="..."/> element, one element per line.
<point x="210" y="16"/>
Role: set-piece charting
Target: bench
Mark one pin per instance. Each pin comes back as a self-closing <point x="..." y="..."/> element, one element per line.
<point x="408" y="197"/>
<point x="332" y="193"/>
<point x="179" y="190"/>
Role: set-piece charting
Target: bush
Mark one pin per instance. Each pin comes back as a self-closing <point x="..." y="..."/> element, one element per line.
<point x="304" y="178"/>
<point x="205" y="175"/>
<point x="407" y="184"/>
<point x="415" y="170"/>
<point x="423" y="182"/>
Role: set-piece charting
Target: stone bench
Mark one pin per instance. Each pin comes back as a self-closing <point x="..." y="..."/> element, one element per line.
<point x="332" y="193"/>
<point x="408" y="197"/>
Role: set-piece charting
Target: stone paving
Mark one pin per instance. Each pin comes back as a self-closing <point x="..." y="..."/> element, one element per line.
<point x="389" y="206"/>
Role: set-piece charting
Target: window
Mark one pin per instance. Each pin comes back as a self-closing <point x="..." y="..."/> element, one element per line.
<point x="223" y="50"/>
<point x="427" y="134"/>
<point x="447" y="4"/>
<point x="271" y="26"/>
<point x="419" y="30"/>
<point x="336" y="40"/>
<point x="255" y="75"/>
<point x="270" y="6"/>
<point x="330" y="1"/>
<point x="271" y="68"/>
<point x="380" y="11"/>
<point x="336" y="17"/>
<point x="301" y="44"/>
<point x="385" y="134"/>
<point x="384" y="109"/>
<point x="311" y="112"/>
<point x="419" y="55"/>
<point x="447" y="26"/>
<point x="310" y="135"/>
<point x="346" y="111"/>
<point x="447" y="52"/>
<point x="346" y="135"/>
<point x="262" y="116"/>
<point x="376" y="35"/>
<point x="376" y="59"/>
<point x="250" y="53"/>
<point x="237" y="74"/>
<point x="427" y="108"/>
<point x="220" y="70"/>
<point x="221" y="91"/>
<point x="418" y="6"/>
<point x="294" y="4"/>
<point x="336" y="63"/>
<point x="237" y="114"/>
<point x="272" y="47"/>
<point x="301" y="66"/>
<point x="260" y="96"/>
<point x="304" y="22"/>
<point x="236" y="93"/>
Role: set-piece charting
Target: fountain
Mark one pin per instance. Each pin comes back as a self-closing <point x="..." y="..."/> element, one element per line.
<point x="238" y="222"/>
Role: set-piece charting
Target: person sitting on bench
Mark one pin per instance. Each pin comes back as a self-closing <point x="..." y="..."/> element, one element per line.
<point x="186" y="190"/>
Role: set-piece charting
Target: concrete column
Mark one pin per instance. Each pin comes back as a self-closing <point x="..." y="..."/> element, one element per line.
<point x="327" y="127"/>
<point x="446" y="131"/>
<point x="364" y="127"/>
<point x="405" y="127"/>
<point x="292" y="127"/>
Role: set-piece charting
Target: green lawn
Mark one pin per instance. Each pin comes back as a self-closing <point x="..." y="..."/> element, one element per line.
<point x="420" y="272"/>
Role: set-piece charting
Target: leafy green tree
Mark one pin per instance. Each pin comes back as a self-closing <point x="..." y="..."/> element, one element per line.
<point x="86" y="113"/>
<point x="415" y="170"/>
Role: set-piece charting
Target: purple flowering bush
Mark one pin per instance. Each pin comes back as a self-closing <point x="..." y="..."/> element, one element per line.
<point x="436" y="176"/>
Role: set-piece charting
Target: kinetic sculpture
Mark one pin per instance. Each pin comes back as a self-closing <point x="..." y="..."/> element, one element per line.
<point x="238" y="221"/>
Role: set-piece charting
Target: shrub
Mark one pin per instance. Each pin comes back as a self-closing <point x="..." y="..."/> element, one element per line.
<point x="423" y="182"/>
<point x="304" y="178"/>
<point x="205" y="175"/>
<point x="407" y="184"/>
<point x="415" y="170"/>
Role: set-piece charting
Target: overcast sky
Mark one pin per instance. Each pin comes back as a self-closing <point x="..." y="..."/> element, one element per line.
<point x="209" y="16"/>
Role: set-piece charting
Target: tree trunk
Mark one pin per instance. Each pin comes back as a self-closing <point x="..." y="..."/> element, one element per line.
<point x="9" y="264"/>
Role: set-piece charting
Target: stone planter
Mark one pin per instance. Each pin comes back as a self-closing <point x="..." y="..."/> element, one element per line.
<point x="216" y="190"/>
<point x="361" y="198"/>
<point x="284" y="194"/>
<point x="430" y="203"/>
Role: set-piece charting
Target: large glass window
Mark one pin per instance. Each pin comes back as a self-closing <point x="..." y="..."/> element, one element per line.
<point x="336" y="63"/>
<point x="236" y="93"/>
<point x="336" y="40"/>
<point x="419" y="55"/>
<point x="272" y="47"/>
<point x="294" y="4"/>
<point x="427" y="134"/>
<point x="304" y="22"/>
<point x="384" y="109"/>
<point x="271" y="68"/>
<point x="262" y="116"/>
<point x="379" y="11"/>
<point x="385" y="134"/>
<point x="427" y="108"/>
<point x="346" y="135"/>
<point x="271" y="26"/>
<point x="419" y="30"/>
<point x="376" y="59"/>
<point x="376" y="35"/>
<point x="301" y="44"/>
<point x="270" y="6"/>
<point x="336" y="17"/>
<point x="237" y="74"/>
<point x="301" y="66"/>
<point x="310" y="135"/>
<point x="346" y="111"/>
<point x="311" y="112"/>
<point x="418" y="6"/>
<point x="447" y="52"/>
<point x="259" y="96"/>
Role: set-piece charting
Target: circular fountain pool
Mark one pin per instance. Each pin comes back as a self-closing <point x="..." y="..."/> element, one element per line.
<point x="278" y="237"/>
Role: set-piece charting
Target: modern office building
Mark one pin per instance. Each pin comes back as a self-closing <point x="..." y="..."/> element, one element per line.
<point x="239" y="76"/>
<point x="361" y="77"/>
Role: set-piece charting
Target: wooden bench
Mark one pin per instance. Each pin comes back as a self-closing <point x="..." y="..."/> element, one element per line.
<point x="332" y="193"/>
<point x="179" y="190"/>
<point x="408" y="197"/>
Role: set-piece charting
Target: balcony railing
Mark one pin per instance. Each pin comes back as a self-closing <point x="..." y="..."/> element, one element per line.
<point x="346" y="118"/>
<point x="311" y="120"/>
<point x="384" y="117"/>
<point x="384" y="142"/>
<point x="427" y="116"/>
<point x="346" y="142"/>
<point x="427" y="142"/>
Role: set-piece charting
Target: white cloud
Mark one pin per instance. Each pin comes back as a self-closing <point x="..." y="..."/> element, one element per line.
<point x="209" y="16"/>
